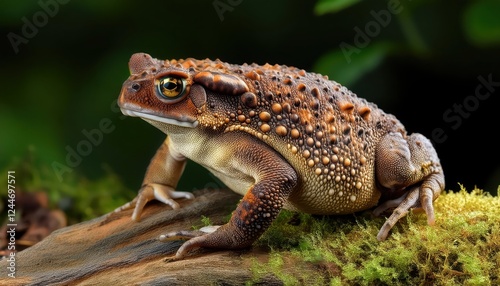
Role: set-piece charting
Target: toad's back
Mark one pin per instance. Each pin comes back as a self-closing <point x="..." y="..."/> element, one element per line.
<point x="324" y="130"/>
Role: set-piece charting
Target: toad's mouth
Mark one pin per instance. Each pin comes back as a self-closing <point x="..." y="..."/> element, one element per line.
<point x="184" y="121"/>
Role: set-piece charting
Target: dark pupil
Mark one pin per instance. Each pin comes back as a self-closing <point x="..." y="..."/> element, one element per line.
<point x="170" y="85"/>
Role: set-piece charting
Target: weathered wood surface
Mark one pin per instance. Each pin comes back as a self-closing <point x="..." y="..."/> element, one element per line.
<point x="115" y="250"/>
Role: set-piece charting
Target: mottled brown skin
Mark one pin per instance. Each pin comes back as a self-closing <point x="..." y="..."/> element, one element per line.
<point x="281" y="137"/>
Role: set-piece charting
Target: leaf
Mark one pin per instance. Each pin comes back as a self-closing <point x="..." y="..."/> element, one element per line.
<point x="333" y="6"/>
<point x="346" y="68"/>
<point x="482" y="22"/>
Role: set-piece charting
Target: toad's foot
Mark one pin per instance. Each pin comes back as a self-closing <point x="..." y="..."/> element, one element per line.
<point x="417" y="197"/>
<point x="193" y="238"/>
<point x="408" y="164"/>
<point x="152" y="191"/>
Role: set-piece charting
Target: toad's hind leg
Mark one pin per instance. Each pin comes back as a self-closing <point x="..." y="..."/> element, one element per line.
<point x="410" y="164"/>
<point x="274" y="181"/>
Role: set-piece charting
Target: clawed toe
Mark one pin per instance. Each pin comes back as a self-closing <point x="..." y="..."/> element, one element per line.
<point x="148" y="192"/>
<point x="179" y="235"/>
<point x="417" y="198"/>
<point x="404" y="204"/>
<point x="188" y="234"/>
<point x="390" y="204"/>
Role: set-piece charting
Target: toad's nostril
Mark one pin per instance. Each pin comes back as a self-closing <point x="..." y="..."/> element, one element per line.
<point x="136" y="86"/>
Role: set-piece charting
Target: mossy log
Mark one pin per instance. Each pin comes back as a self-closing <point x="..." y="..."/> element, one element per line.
<point x="462" y="248"/>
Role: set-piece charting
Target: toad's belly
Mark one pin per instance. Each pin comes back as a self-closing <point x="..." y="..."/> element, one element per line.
<point x="328" y="198"/>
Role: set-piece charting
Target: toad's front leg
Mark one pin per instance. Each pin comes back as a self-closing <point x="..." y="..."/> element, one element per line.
<point x="274" y="181"/>
<point x="160" y="181"/>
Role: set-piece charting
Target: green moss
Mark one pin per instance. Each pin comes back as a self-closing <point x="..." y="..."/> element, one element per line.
<point x="204" y="221"/>
<point x="462" y="248"/>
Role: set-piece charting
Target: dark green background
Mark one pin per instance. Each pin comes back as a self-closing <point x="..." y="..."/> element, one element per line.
<point x="417" y="65"/>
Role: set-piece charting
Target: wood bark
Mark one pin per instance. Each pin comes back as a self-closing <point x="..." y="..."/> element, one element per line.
<point x="114" y="250"/>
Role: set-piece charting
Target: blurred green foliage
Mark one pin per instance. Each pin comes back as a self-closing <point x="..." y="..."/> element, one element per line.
<point x="481" y="22"/>
<point x="62" y="79"/>
<point x="332" y="6"/>
<point x="79" y="198"/>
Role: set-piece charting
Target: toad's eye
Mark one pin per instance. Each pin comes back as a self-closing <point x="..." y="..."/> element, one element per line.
<point x="171" y="87"/>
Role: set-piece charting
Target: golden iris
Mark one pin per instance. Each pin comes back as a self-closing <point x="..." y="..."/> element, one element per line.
<point x="171" y="87"/>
